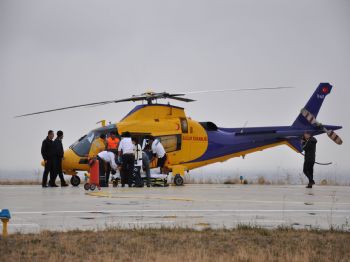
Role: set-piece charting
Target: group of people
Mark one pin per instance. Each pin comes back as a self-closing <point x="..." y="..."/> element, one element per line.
<point x="53" y="153"/>
<point x="129" y="157"/>
<point x="125" y="155"/>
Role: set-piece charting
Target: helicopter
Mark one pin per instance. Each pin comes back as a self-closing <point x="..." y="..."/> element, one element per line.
<point x="190" y="144"/>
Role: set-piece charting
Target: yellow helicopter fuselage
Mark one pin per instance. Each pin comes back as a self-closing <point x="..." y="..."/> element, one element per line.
<point x="183" y="139"/>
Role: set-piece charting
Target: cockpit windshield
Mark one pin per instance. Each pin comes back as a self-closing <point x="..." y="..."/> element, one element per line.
<point x="82" y="146"/>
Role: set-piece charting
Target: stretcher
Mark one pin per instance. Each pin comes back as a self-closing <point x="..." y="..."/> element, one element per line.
<point x="156" y="180"/>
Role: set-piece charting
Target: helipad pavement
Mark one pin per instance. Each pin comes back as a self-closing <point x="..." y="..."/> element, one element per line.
<point x="197" y="206"/>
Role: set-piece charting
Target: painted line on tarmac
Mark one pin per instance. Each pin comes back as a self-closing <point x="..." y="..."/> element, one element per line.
<point x="181" y="210"/>
<point x="271" y="202"/>
<point x="110" y="195"/>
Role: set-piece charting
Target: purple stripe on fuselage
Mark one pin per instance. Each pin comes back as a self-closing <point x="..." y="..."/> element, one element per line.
<point x="227" y="141"/>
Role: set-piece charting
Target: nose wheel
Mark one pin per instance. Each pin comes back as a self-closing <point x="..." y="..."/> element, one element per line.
<point x="178" y="180"/>
<point x="75" y="180"/>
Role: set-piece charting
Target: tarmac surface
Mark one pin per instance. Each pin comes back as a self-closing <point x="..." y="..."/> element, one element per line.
<point x="34" y="209"/>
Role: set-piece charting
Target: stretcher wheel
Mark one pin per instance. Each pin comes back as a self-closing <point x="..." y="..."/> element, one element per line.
<point x="75" y="180"/>
<point x="86" y="186"/>
<point x="178" y="180"/>
<point x="92" y="187"/>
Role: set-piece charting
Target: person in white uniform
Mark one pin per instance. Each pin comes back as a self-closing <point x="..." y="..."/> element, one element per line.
<point x="138" y="162"/>
<point x="126" y="152"/>
<point x="106" y="159"/>
<point x="159" y="152"/>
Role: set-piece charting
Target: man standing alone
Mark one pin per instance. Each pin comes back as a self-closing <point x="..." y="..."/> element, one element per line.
<point x="309" y="146"/>
<point x="59" y="154"/>
<point x="47" y="152"/>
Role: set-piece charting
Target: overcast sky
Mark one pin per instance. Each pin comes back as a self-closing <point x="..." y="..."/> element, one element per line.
<point x="61" y="53"/>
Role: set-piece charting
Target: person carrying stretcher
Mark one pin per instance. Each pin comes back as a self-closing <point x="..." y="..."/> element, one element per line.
<point x="138" y="162"/>
<point x="106" y="160"/>
<point x="159" y="152"/>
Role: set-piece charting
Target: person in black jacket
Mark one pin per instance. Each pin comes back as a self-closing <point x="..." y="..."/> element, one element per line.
<point x="58" y="156"/>
<point x="309" y="146"/>
<point x="47" y="152"/>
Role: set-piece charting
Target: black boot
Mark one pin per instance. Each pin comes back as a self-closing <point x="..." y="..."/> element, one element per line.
<point x="63" y="183"/>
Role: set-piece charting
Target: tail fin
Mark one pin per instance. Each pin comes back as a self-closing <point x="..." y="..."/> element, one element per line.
<point x="313" y="105"/>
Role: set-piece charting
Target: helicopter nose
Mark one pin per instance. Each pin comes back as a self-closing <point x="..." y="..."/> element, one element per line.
<point x="72" y="162"/>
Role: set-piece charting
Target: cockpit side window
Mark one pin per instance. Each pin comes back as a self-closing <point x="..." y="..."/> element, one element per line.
<point x="82" y="146"/>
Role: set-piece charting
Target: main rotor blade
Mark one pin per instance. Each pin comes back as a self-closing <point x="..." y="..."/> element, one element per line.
<point x="68" y="107"/>
<point x="181" y="99"/>
<point x="133" y="99"/>
<point x="238" y="90"/>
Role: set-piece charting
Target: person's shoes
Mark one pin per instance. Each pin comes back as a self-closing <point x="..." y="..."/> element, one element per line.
<point x="64" y="184"/>
<point x="53" y="185"/>
<point x="309" y="186"/>
<point x="148" y="185"/>
<point x="123" y="185"/>
<point x="44" y="186"/>
<point x="312" y="182"/>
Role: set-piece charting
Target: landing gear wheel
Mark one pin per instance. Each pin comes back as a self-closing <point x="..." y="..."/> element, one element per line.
<point x="75" y="180"/>
<point x="178" y="180"/>
<point x="92" y="187"/>
<point x="86" y="186"/>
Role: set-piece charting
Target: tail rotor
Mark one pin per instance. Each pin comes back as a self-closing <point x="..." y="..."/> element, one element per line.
<point x="313" y="121"/>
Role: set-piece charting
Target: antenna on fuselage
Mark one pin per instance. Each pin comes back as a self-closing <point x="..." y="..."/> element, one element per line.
<point x="244" y="126"/>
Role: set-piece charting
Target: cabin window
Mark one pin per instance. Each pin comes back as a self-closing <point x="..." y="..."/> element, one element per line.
<point x="184" y="125"/>
<point x="171" y="142"/>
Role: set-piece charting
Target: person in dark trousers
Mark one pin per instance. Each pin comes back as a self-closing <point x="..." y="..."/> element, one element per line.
<point x="145" y="164"/>
<point x="126" y="152"/>
<point x="159" y="152"/>
<point x="138" y="162"/>
<point x="106" y="162"/>
<point x="59" y="154"/>
<point x="47" y="152"/>
<point x="112" y="146"/>
<point x="309" y="147"/>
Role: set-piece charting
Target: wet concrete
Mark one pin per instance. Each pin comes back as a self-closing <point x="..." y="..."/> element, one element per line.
<point x="35" y="209"/>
